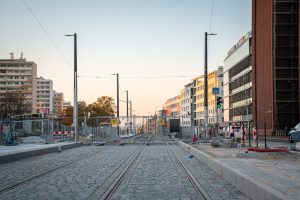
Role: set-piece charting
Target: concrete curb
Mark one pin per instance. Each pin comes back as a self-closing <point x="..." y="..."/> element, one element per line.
<point x="249" y="186"/>
<point x="36" y="152"/>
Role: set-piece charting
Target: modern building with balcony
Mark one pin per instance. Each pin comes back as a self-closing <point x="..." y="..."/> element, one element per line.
<point x="238" y="82"/>
<point x="19" y="76"/>
<point x="44" y="96"/>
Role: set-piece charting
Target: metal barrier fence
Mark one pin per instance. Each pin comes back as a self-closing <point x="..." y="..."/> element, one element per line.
<point x="52" y="129"/>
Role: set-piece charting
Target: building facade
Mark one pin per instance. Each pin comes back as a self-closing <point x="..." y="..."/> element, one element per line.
<point x="172" y="109"/>
<point x="19" y="76"/>
<point x="238" y="82"/>
<point x="215" y="80"/>
<point x="66" y="104"/>
<point x="173" y="106"/>
<point x="44" y="96"/>
<point x="187" y="103"/>
<point x="58" y="102"/>
<point x="275" y="26"/>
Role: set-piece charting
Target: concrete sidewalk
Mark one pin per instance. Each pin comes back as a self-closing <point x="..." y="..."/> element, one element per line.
<point x="257" y="175"/>
<point x="21" y="151"/>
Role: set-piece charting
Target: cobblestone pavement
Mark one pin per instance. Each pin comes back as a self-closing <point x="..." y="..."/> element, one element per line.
<point x="15" y="172"/>
<point x="87" y="179"/>
<point x="156" y="175"/>
<point x="214" y="185"/>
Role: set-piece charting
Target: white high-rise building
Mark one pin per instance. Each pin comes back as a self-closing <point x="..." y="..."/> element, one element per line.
<point x="186" y="105"/>
<point x="58" y="102"/>
<point x="44" y="97"/>
<point x="19" y="76"/>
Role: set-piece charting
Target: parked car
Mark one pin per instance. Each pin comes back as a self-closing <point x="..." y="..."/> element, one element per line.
<point x="294" y="134"/>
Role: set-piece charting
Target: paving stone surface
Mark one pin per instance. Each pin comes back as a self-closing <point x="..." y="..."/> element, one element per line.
<point x="15" y="172"/>
<point x="214" y="185"/>
<point x="156" y="175"/>
<point x="87" y="179"/>
<point x="278" y="171"/>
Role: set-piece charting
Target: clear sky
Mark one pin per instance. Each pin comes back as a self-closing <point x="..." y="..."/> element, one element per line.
<point x="136" y="38"/>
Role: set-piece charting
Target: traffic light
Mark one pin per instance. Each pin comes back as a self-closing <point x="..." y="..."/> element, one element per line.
<point x="219" y="102"/>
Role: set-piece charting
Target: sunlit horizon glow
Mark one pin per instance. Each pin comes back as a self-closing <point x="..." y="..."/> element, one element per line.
<point x="155" y="46"/>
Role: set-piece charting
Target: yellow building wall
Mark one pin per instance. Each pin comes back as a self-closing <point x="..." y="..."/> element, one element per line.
<point x="212" y="82"/>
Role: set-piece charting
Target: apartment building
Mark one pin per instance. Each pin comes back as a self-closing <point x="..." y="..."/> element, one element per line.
<point x="215" y="80"/>
<point x="187" y="105"/>
<point x="173" y="107"/>
<point x="19" y="76"/>
<point x="58" y="102"/>
<point x="44" y="96"/>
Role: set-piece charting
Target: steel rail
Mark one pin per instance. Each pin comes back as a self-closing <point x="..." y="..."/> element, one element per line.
<point x="190" y="176"/>
<point x="51" y="170"/>
<point x="109" y="192"/>
<point x="121" y="176"/>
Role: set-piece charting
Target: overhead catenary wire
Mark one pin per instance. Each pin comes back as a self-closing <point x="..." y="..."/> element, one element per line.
<point x="137" y="77"/>
<point x="47" y="33"/>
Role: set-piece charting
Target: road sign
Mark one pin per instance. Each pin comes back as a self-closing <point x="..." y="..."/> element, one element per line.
<point x="215" y="90"/>
<point x="161" y="122"/>
<point x="113" y="122"/>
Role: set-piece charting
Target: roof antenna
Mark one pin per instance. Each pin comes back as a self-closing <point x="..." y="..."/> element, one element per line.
<point x="11" y="55"/>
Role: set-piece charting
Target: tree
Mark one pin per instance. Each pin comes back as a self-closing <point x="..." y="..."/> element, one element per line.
<point x="68" y="116"/>
<point x="104" y="106"/>
<point x="13" y="103"/>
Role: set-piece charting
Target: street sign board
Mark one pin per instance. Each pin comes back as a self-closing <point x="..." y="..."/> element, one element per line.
<point x="215" y="90"/>
<point x="114" y="122"/>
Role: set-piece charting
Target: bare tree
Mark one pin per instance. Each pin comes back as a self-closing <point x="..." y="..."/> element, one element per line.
<point x="13" y="103"/>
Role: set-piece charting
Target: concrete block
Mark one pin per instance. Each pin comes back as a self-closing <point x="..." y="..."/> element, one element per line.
<point x="248" y="185"/>
<point x="228" y="175"/>
<point x="37" y="152"/>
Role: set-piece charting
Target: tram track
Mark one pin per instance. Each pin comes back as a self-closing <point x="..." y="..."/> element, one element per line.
<point x="51" y="170"/>
<point x="110" y="191"/>
<point x="203" y="194"/>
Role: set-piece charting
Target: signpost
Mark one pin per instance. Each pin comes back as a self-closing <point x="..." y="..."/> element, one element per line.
<point x="114" y="122"/>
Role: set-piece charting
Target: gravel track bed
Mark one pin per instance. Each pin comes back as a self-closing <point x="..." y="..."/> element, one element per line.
<point x="85" y="179"/>
<point x="213" y="184"/>
<point x="18" y="171"/>
<point x="155" y="175"/>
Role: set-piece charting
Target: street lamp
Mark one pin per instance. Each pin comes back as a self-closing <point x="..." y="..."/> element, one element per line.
<point x="206" y="86"/>
<point x="126" y="110"/>
<point x="75" y="110"/>
<point x="118" y="128"/>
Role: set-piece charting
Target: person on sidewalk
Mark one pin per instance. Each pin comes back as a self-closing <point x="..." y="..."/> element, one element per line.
<point x="194" y="139"/>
